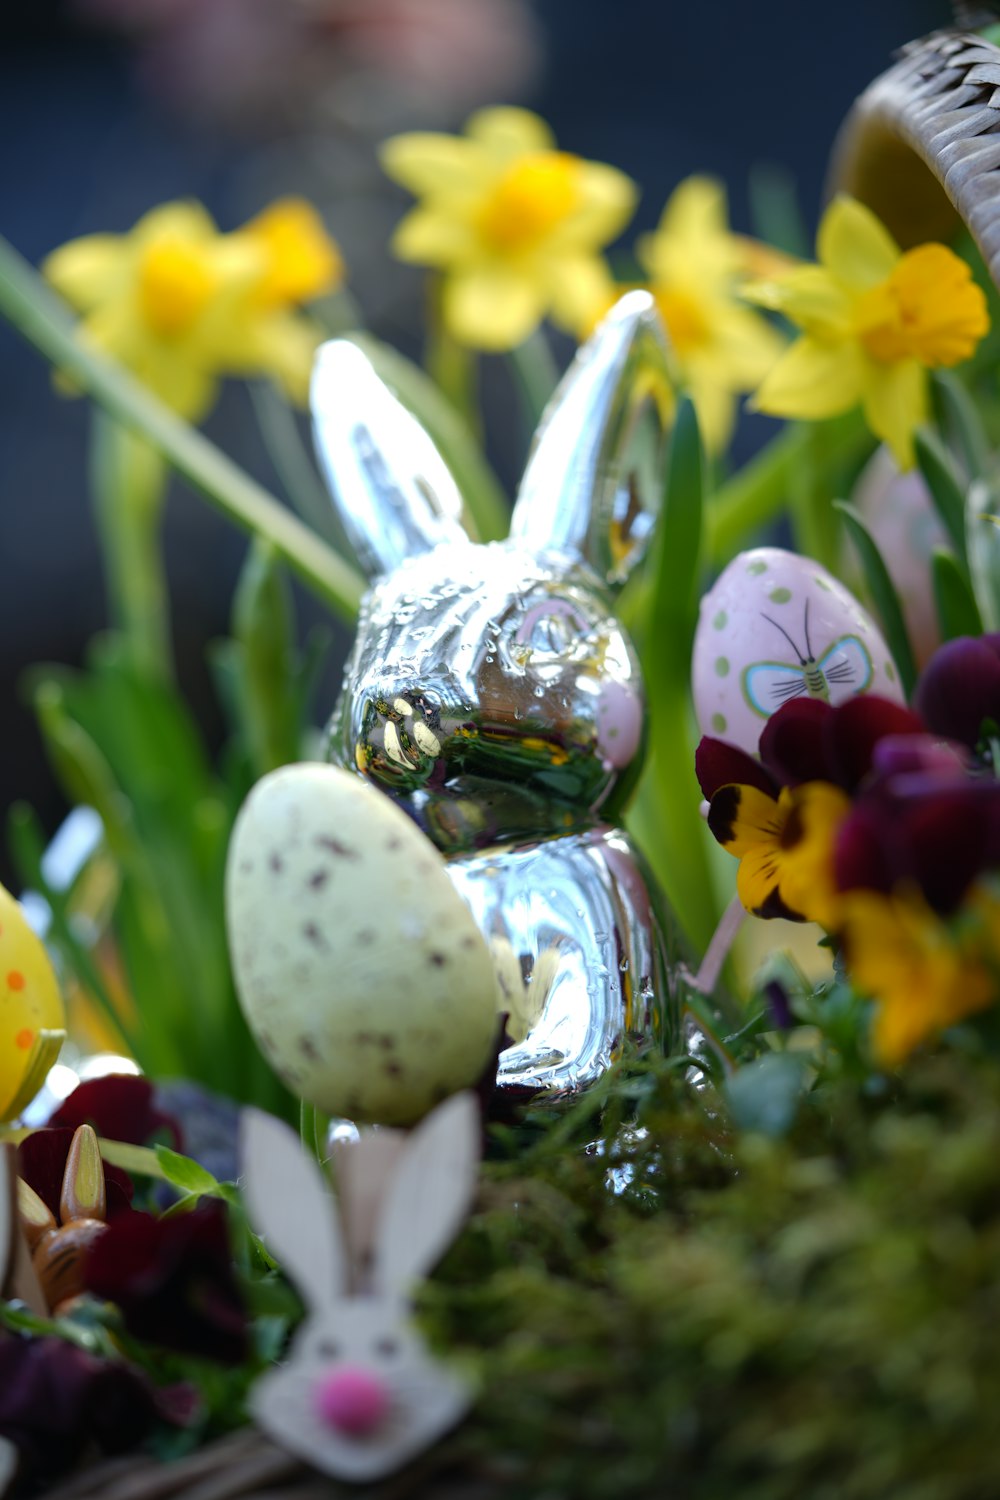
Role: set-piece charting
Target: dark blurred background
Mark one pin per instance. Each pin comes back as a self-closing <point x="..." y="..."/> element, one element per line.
<point x="108" y="107"/>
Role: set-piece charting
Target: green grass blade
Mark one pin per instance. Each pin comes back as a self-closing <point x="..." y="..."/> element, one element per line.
<point x="883" y="594"/>
<point x="945" y="489"/>
<point x="43" y="319"/>
<point x="957" y="611"/>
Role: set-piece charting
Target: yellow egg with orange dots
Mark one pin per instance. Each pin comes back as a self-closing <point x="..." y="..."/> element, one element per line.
<point x="32" y="1018"/>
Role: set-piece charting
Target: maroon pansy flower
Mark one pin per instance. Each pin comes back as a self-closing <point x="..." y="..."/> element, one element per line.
<point x="55" y="1400"/>
<point x="921" y="827"/>
<point x="120" y="1107"/>
<point x="173" y="1280"/>
<point x="959" y="688"/>
<point x="808" y="740"/>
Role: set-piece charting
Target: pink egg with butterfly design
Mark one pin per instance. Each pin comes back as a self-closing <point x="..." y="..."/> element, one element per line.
<point x="776" y="626"/>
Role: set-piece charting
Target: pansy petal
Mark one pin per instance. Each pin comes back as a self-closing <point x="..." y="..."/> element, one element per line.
<point x="791" y="742"/>
<point x="959" y="688"/>
<point x="743" y="817"/>
<point x="855" y="245"/>
<point x="945" y="837"/>
<point x="861" y="858"/>
<point x="813" y="380"/>
<point x="895" y="402"/>
<point x="491" y="307"/>
<point x="507" y="131"/>
<point x="718" y="764"/>
<point x="757" y="885"/>
<point x="853" y="729"/>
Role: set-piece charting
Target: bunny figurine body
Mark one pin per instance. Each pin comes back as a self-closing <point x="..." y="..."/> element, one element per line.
<point x="494" y="695"/>
<point x="359" y="1393"/>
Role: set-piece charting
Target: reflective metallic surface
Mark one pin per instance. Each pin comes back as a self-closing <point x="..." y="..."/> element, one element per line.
<point x="586" y="896"/>
<point x="494" y="695"/>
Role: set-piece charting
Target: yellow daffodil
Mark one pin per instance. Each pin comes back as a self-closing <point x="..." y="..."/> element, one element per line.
<point x="694" y="266"/>
<point x="874" y="320"/>
<point x="924" y="973"/>
<point x="181" y="304"/>
<point x="514" y="224"/>
<point x="784" y="846"/>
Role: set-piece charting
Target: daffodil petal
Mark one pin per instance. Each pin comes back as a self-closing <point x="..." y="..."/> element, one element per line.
<point x="492" y="307"/>
<point x="715" y="405"/>
<point x="854" y="245"/>
<point x="184" y="220"/>
<point x="582" y="291"/>
<point x="428" y="237"/>
<point x="895" y="404"/>
<point x="607" y="203"/>
<point x="430" y="164"/>
<point x="813" y="380"/>
<point x="809" y="296"/>
<point x="87" y="271"/>
<point x="507" y="131"/>
<point x="743" y="347"/>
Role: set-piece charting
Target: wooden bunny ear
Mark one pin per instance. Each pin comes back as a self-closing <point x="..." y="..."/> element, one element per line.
<point x="393" y="491"/>
<point x="594" y="476"/>
<point x="289" y="1204"/>
<point x="429" y="1195"/>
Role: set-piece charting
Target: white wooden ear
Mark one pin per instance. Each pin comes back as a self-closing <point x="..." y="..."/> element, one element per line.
<point x="594" y="475"/>
<point x="391" y="487"/>
<point x="291" y="1207"/>
<point x="429" y="1196"/>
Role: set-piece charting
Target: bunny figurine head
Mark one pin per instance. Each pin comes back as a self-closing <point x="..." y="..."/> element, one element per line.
<point x="360" y="1394"/>
<point x="491" y="690"/>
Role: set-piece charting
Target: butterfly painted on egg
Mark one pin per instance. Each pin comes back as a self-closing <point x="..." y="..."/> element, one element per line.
<point x="845" y="665"/>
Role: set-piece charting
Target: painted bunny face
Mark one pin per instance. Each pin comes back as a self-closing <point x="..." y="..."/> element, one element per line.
<point x="359" y="1393"/>
<point x="493" y="694"/>
<point x="491" y="691"/>
<point x="404" y="1399"/>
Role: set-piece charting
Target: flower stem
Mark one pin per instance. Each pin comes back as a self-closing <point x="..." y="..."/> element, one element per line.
<point x="128" y="482"/>
<point x="452" y="366"/>
<point x="537" y="376"/>
<point x="41" y="318"/>
<point x="765" y="486"/>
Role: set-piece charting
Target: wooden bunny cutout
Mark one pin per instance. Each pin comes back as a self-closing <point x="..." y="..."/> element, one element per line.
<point x="360" y="1394"/>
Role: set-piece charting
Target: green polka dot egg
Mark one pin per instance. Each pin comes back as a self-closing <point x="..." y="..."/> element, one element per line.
<point x="359" y="968"/>
<point x="776" y="626"/>
<point x="32" y="1018"/>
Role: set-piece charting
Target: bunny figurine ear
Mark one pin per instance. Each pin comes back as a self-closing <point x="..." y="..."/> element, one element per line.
<point x="592" y="484"/>
<point x="391" y="487"/>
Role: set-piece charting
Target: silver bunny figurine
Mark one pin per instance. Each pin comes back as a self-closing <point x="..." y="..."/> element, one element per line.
<point x="492" y="693"/>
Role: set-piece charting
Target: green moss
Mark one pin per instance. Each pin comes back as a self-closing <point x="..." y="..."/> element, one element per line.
<point x="812" y="1318"/>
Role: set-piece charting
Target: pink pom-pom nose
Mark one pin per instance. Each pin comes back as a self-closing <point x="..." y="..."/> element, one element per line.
<point x="352" y="1400"/>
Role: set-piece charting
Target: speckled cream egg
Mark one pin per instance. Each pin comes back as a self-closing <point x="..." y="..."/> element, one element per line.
<point x="30" y="1004"/>
<point x="776" y="626"/>
<point x="360" y="969"/>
